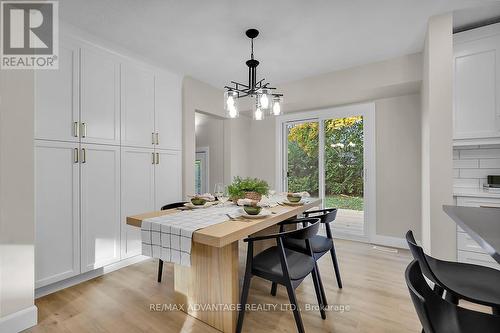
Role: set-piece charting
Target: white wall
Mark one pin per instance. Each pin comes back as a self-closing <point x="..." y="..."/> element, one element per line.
<point x="199" y="96"/>
<point x="438" y="231"/>
<point x="17" y="226"/>
<point x="398" y="165"/>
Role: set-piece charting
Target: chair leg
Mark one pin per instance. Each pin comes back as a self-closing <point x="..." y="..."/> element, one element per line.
<point x="243" y="302"/>
<point x="274" y="288"/>
<point x="322" y="289"/>
<point x="160" y="269"/>
<point x="296" y="311"/>
<point x="321" y="302"/>
<point x="336" y="266"/>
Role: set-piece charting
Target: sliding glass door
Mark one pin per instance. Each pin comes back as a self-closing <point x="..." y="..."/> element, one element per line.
<point x="326" y="156"/>
<point x="302" y="146"/>
<point x="343" y="172"/>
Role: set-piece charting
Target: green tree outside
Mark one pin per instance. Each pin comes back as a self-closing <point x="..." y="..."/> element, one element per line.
<point x="343" y="161"/>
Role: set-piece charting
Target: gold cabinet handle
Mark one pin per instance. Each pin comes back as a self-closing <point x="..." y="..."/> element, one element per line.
<point x="76" y="129"/>
<point x="153" y="138"/>
<point x="157" y="158"/>
<point x="157" y="138"/>
<point x="84" y="155"/>
<point x="84" y="130"/>
<point x="153" y="159"/>
<point x="75" y="155"/>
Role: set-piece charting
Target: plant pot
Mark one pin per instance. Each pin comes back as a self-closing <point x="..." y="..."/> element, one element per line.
<point x="253" y="196"/>
<point x="252" y="210"/>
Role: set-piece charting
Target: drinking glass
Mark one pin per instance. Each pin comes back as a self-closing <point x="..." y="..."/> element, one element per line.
<point x="218" y="190"/>
<point x="224" y="197"/>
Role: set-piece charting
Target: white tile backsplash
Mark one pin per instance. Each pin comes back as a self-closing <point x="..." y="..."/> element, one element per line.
<point x="472" y="164"/>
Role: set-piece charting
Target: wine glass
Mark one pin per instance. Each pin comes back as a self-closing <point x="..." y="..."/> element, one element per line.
<point x="224" y="197"/>
<point x="218" y="190"/>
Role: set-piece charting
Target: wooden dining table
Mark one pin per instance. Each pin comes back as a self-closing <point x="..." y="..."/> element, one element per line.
<point x="209" y="289"/>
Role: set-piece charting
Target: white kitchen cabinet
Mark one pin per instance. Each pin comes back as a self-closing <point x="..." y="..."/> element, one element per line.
<point x="137" y="194"/>
<point x="57" y="98"/>
<point x="168" y="110"/>
<point x="168" y="177"/>
<point x="100" y="205"/>
<point x="137" y="106"/>
<point x="57" y="220"/>
<point x="477" y="86"/>
<point x="100" y="96"/>
<point x="468" y="251"/>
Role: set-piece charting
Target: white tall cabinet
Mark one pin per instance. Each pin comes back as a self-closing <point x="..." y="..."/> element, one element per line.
<point x="476" y="101"/>
<point x="57" y="228"/>
<point x="107" y="145"/>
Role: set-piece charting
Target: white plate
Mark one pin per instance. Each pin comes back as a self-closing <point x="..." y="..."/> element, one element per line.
<point x="206" y="205"/>
<point x="263" y="213"/>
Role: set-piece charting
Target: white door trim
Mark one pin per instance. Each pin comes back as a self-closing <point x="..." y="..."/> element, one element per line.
<point x="367" y="110"/>
<point x="206" y="171"/>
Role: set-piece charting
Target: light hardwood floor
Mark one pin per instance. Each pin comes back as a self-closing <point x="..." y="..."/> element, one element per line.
<point x="374" y="290"/>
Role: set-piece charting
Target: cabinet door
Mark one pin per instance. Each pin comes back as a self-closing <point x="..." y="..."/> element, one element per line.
<point x="168" y="110"/>
<point x="100" y="96"/>
<point x="168" y="178"/>
<point x="100" y="205"/>
<point x="56" y="97"/>
<point x="137" y="194"/>
<point x="137" y="124"/>
<point x="476" y="106"/>
<point x="57" y="226"/>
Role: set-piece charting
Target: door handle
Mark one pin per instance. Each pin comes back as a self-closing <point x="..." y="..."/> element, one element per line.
<point x="153" y="138"/>
<point x="157" y="158"/>
<point x="76" y="129"/>
<point x="75" y="155"/>
<point x="157" y="138"/>
<point x="153" y="158"/>
<point x="84" y="155"/>
<point x="84" y="130"/>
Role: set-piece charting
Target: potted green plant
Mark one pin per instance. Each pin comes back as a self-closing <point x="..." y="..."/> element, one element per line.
<point x="250" y="188"/>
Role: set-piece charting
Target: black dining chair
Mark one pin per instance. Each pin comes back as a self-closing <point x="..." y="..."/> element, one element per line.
<point x="474" y="283"/>
<point x="283" y="266"/>
<point x="438" y="315"/>
<point x="168" y="206"/>
<point x="320" y="245"/>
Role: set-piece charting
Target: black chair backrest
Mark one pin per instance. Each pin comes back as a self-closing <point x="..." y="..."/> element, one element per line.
<point x="329" y="216"/>
<point x="310" y="230"/>
<point x="326" y="215"/>
<point x="419" y="255"/>
<point x="173" y="205"/>
<point x="437" y="315"/>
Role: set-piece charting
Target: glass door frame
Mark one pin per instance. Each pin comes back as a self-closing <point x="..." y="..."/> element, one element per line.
<point x="367" y="110"/>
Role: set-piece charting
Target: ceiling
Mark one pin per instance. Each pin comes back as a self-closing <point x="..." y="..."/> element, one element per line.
<point x="299" y="38"/>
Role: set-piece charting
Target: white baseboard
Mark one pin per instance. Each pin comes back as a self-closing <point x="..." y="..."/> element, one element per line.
<point x="389" y="241"/>
<point x="19" y="321"/>
<point x="52" y="288"/>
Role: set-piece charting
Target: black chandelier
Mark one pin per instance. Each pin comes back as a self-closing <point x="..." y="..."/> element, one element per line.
<point x="266" y="97"/>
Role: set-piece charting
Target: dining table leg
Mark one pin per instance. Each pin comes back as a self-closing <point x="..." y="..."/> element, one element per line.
<point x="209" y="289"/>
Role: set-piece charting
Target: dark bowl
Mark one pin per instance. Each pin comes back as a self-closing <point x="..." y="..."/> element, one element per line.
<point x="252" y="210"/>
<point x="198" y="201"/>
<point x="293" y="199"/>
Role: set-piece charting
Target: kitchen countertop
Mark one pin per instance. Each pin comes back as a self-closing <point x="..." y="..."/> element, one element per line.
<point x="474" y="192"/>
<point x="482" y="224"/>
